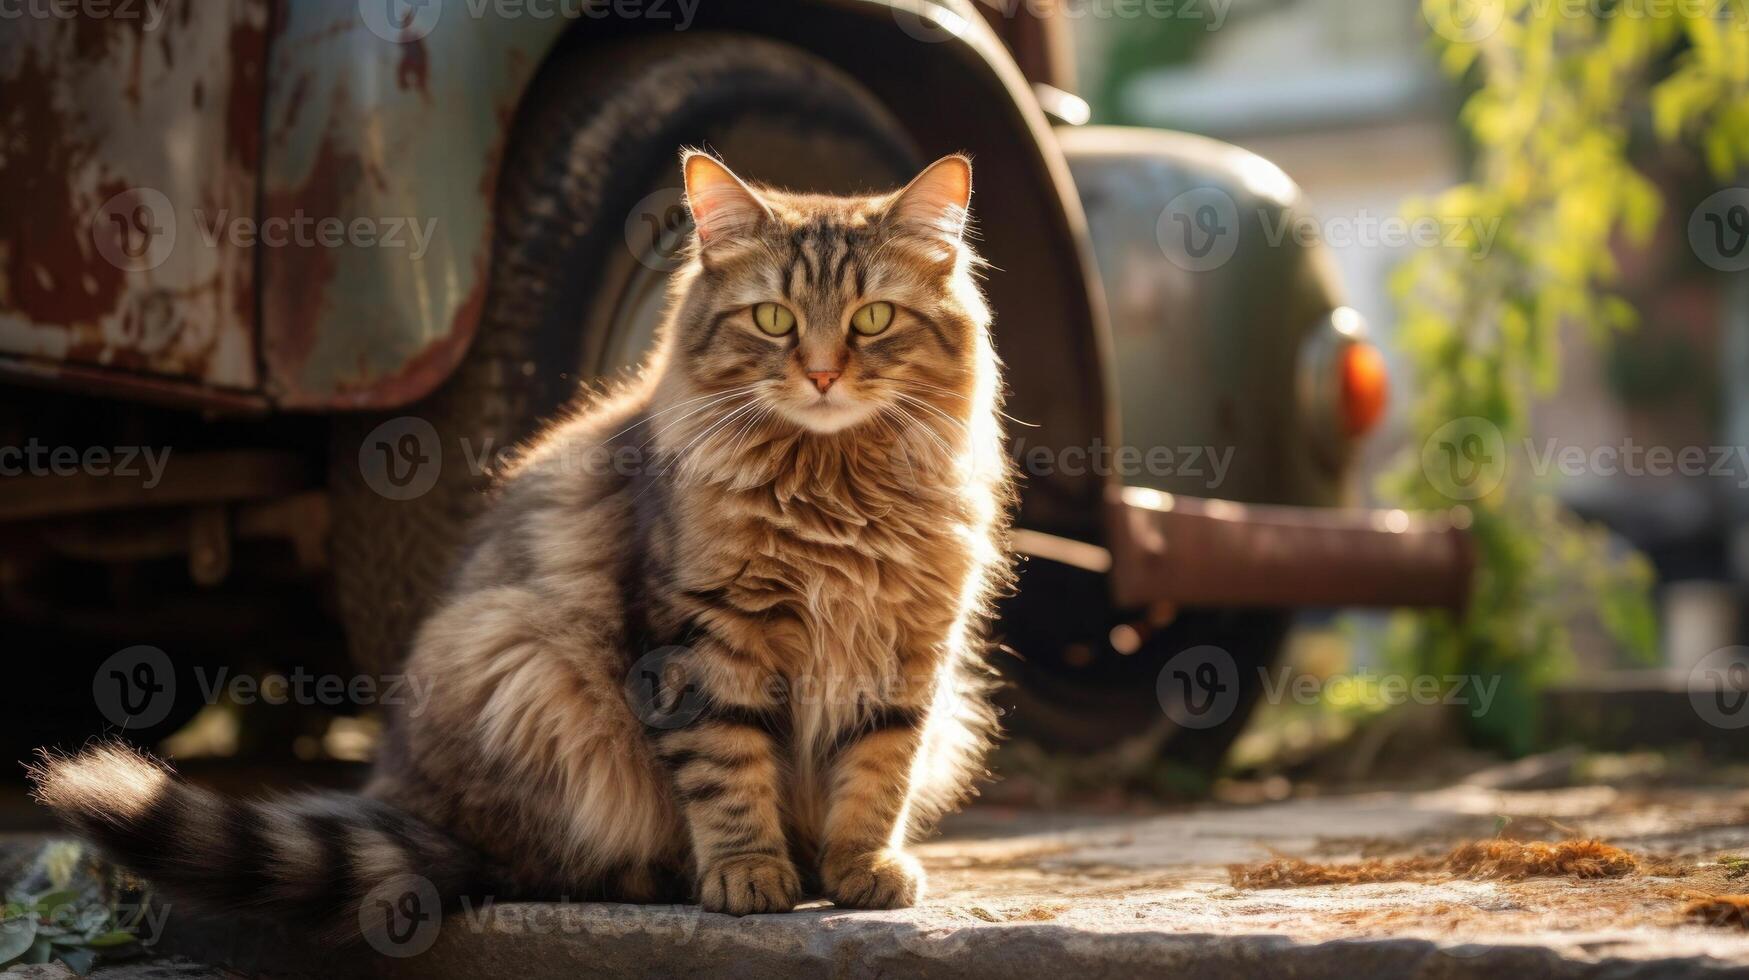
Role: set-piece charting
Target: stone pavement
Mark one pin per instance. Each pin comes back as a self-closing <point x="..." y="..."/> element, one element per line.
<point x="1016" y="893"/>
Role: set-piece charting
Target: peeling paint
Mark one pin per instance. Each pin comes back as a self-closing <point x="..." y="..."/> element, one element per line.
<point x="361" y="127"/>
<point x="414" y="71"/>
<point x="104" y="117"/>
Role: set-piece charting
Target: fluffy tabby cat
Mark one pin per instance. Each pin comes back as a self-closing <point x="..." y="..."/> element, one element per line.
<point x="718" y="637"/>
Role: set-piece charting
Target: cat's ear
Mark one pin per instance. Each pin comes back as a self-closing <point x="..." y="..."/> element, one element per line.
<point x="722" y="206"/>
<point x="935" y="202"/>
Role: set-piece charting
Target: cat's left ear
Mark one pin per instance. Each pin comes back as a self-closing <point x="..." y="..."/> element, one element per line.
<point x="935" y="203"/>
<point x="722" y="206"/>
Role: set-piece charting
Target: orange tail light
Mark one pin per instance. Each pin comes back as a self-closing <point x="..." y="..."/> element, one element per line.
<point x="1365" y="387"/>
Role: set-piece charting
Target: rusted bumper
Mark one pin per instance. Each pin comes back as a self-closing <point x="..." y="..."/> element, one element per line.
<point x="1193" y="551"/>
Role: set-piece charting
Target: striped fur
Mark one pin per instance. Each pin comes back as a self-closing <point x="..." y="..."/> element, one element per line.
<point x="816" y="563"/>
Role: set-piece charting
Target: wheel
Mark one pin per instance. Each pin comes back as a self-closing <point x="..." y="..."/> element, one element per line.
<point x="589" y="216"/>
<point x="1068" y="689"/>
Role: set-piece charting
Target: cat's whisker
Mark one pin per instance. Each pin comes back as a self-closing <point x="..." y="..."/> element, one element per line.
<point x="746" y="412"/>
<point x="750" y="428"/>
<point x="913" y="399"/>
<point x="651" y="417"/>
<point x="685" y="454"/>
<point x="899" y="443"/>
<point x="952" y="393"/>
<point x="700" y="410"/>
<point x="918" y="425"/>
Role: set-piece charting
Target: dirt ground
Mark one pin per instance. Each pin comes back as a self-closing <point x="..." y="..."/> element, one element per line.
<point x="1175" y="871"/>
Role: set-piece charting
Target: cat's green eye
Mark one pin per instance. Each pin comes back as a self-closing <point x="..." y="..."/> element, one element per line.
<point x="872" y="319"/>
<point x="775" y="320"/>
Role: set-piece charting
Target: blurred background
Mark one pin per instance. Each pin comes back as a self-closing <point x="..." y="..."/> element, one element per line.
<point x="1376" y="111"/>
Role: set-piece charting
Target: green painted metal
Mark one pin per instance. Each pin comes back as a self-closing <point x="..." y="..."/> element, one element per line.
<point x="1222" y="329"/>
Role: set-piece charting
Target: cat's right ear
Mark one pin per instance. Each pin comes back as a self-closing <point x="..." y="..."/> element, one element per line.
<point x="722" y="206"/>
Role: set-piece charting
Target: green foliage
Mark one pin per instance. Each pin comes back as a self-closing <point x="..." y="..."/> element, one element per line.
<point x="64" y="912"/>
<point x="1559" y="88"/>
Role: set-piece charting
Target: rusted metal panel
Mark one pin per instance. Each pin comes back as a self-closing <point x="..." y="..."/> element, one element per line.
<point x="370" y="121"/>
<point x="392" y="131"/>
<point x="1189" y="551"/>
<point x="127" y="134"/>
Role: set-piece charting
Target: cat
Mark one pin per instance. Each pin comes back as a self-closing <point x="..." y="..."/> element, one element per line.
<point x="719" y="636"/>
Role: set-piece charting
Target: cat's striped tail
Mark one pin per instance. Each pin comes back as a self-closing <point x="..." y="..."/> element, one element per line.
<point x="315" y="858"/>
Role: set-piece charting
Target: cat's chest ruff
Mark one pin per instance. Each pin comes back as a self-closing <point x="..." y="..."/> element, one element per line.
<point x="830" y="587"/>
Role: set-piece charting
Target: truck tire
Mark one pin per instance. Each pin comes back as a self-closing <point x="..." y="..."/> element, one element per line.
<point x="592" y="167"/>
<point x="1067" y="689"/>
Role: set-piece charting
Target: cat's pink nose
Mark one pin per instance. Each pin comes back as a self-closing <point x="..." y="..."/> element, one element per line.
<point x="823" y="379"/>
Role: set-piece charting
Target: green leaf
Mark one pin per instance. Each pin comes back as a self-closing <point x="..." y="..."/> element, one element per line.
<point x="40" y="951"/>
<point x="48" y="902"/>
<point x="115" y="937"/>
<point x="16" y="937"/>
<point x="80" y="961"/>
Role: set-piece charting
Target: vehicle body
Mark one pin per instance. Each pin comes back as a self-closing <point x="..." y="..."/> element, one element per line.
<point x="138" y="271"/>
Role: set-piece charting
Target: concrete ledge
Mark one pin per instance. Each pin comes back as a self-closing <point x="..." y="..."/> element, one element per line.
<point x="1016" y="893"/>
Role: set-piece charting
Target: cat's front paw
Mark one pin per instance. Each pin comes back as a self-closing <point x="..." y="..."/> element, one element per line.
<point x="747" y="884"/>
<point x="884" y="879"/>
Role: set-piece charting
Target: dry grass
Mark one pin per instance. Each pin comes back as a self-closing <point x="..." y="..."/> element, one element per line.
<point x="1493" y="860"/>
<point x="1725" y="911"/>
